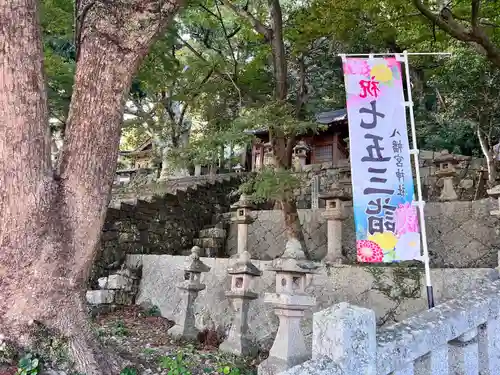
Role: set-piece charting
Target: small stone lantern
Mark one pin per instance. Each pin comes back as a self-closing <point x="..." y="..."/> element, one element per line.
<point x="238" y="168"/>
<point x="268" y="155"/>
<point x="242" y="217"/>
<point x="189" y="289"/>
<point x="446" y="164"/>
<point x="243" y="273"/>
<point x="300" y="154"/>
<point x="334" y="213"/>
<point x="290" y="302"/>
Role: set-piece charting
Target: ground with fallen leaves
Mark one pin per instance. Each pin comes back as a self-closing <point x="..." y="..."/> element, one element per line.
<point x="140" y="337"/>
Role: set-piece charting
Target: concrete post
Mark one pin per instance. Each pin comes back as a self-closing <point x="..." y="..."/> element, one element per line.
<point x="463" y="354"/>
<point x="242" y="274"/>
<point x="185" y="328"/>
<point x="197" y="170"/>
<point x="346" y="334"/>
<point x="488" y="346"/>
<point x="290" y="302"/>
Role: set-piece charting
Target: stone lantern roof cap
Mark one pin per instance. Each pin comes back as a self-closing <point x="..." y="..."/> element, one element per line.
<point x="494" y="191"/>
<point x="293" y="260"/>
<point x="445" y="157"/>
<point x="238" y="167"/>
<point x="243" y="202"/>
<point x="335" y="192"/>
<point x="301" y="145"/>
<point x="244" y="265"/>
<point x="193" y="262"/>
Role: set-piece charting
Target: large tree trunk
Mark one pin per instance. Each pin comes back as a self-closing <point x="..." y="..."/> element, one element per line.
<point x="50" y="222"/>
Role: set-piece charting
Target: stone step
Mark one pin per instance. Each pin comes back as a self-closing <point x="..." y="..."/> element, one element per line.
<point x="116" y="282"/>
<point x="100" y="297"/>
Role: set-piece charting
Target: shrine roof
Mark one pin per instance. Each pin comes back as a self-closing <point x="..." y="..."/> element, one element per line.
<point x="330" y="118"/>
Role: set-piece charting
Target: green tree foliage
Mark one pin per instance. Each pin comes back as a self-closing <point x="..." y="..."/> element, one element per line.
<point x="59" y="50"/>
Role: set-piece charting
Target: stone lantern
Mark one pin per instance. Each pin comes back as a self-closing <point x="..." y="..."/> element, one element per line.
<point x="446" y="164"/>
<point x="300" y="155"/>
<point x="334" y="213"/>
<point x="189" y="289"/>
<point x="290" y="302"/>
<point x="238" y="168"/>
<point x="242" y="217"/>
<point x="495" y="194"/>
<point x="268" y="155"/>
<point x="243" y="273"/>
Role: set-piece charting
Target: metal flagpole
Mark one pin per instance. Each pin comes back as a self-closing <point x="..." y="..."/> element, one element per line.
<point x="414" y="151"/>
<point x="420" y="203"/>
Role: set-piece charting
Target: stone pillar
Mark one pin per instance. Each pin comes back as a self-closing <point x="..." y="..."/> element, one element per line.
<point x="446" y="172"/>
<point x="495" y="194"/>
<point x="346" y="334"/>
<point x="242" y="274"/>
<point x="289" y="302"/>
<point x="185" y="328"/>
<point x="488" y="341"/>
<point x="463" y="354"/>
<point x="197" y="170"/>
<point x="242" y="217"/>
<point x="315" y="192"/>
<point x="334" y="214"/>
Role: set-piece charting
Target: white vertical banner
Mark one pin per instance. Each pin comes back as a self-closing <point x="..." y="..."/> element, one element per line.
<point x="386" y="220"/>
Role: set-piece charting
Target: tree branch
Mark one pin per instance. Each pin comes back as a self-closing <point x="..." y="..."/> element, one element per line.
<point x="474" y="14"/>
<point x="79" y="19"/>
<point x="256" y="24"/>
<point x="221" y="20"/>
<point x="477" y="36"/>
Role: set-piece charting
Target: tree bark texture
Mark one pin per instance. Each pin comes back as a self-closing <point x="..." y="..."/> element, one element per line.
<point x="489" y="156"/>
<point x="50" y="221"/>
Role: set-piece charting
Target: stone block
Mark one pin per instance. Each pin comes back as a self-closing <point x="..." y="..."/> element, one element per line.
<point x="208" y="242"/>
<point x="98" y="297"/>
<point x="119" y="282"/>
<point x="347" y="335"/>
<point x="124" y="298"/>
<point x="103" y="282"/>
<point x="213" y="233"/>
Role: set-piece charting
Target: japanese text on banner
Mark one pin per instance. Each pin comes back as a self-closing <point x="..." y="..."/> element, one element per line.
<point x="385" y="218"/>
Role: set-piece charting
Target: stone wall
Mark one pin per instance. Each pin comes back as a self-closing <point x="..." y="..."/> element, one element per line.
<point x="460" y="234"/>
<point x="163" y="224"/>
<point x="393" y="292"/>
<point x="469" y="184"/>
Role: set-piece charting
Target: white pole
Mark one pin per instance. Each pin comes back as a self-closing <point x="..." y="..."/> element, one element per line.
<point x="420" y="202"/>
